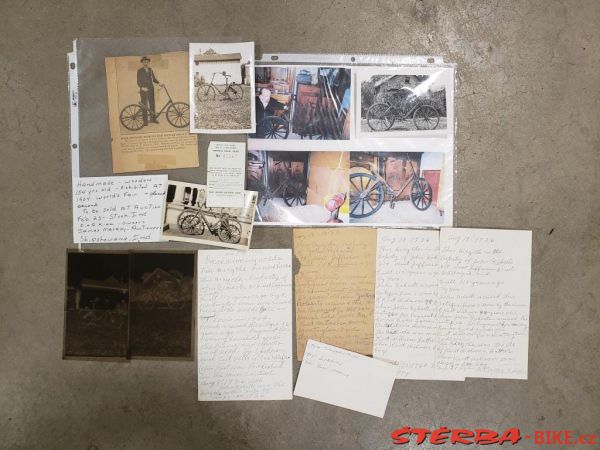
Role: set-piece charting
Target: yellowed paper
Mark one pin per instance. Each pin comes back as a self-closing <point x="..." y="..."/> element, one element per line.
<point x="335" y="287"/>
<point x="149" y="112"/>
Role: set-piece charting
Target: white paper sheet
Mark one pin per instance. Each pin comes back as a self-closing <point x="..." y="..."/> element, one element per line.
<point x="483" y="327"/>
<point x="406" y="297"/>
<point x="118" y="209"/>
<point x="244" y="325"/>
<point x="225" y="174"/>
<point x="339" y="377"/>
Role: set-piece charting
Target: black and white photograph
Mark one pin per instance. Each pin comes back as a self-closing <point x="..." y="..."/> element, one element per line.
<point x="395" y="105"/>
<point x="161" y="304"/>
<point x="303" y="102"/>
<point x="221" y="87"/>
<point x="96" y="305"/>
<point x="400" y="188"/>
<point x="149" y="113"/>
<point x="188" y="219"/>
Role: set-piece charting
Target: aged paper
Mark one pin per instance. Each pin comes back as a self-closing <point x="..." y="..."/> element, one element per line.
<point x="225" y="174"/>
<point x="149" y="112"/>
<point x="332" y="375"/>
<point x="245" y="325"/>
<point x="406" y="300"/>
<point x="335" y="287"/>
<point x="483" y="313"/>
<point x="118" y="209"/>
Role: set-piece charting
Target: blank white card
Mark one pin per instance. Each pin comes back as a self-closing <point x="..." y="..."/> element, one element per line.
<point x="343" y="378"/>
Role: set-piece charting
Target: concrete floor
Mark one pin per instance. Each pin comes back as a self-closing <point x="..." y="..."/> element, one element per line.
<point x="528" y="157"/>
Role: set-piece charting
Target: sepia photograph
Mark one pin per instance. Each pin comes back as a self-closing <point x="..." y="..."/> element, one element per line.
<point x="188" y="219"/>
<point x="299" y="187"/>
<point x="398" y="188"/>
<point x="149" y="112"/>
<point x="161" y="304"/>
<point x="96" y="305"/>
<point x="303" y="102"/>
<point x="221" y="84"/>
<point x="397" y="104"/>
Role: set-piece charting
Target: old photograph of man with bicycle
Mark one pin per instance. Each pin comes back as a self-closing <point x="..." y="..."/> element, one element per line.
<point x="221" y="82"/>
<point x="188" y="219"/>
<point x="149" y="112"/>
<point x="402" y="104"/>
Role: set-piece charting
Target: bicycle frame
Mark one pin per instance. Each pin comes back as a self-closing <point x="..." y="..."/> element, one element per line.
<point x="217" y="87"/>
<point x="163" y="109"/>
<point x="396" y="194"/>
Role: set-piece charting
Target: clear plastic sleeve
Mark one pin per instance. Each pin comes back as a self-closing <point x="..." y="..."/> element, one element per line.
<point x="363" y="140"/>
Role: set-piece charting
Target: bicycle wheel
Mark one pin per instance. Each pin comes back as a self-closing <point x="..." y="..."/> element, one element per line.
<point x="366" y="195"/>
<point x="235" y="92"/>
<point x="192" y="225"/>
<point x="273" y="127"/>
<point x="421" y="194"/>
<point x="230" y="231"/>
<point x="178" y="114"/>
<point x="182" y="215"/>
<point x="381" y="117"/>
<point x="132" y="117"/>
<point x="204" y="93"/>
<point x="426" y="117"/>
<point x="294" y="193"/>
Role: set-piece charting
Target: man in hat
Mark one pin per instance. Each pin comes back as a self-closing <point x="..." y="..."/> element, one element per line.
<point x="146" y="80"/>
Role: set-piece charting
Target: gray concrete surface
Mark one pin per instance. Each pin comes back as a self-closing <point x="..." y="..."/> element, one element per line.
<point x="528" y="157"/>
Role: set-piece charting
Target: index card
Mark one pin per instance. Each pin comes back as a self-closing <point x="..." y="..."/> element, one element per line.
<point x="245" y="325"/>
<point x="225" y="174"/>
<point x="335" y="287"/>
<point x="118" y="209"/>
<point x="339" y="377"/>
<point x="406" y="297"/>
<point x="483" y="326"/>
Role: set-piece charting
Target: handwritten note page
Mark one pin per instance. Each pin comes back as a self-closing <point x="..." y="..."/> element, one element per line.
<point x="335" y="287"/>
<point x="118" y="209"/>
<point x="332" y="375"/>
<point x="406" y="294"/>
<point x="483" y="327"/>
<point x="225" y="174"/>
<point x="244" y="325"/>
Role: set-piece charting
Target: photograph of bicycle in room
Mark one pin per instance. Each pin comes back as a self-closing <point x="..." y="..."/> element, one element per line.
<point x="221" y="82"/>
<point x="302" y="102"/>
<point x="400" y="188"/>
<point x="396" y="105"/>
<point x="299" y="188"/>
<point x="188" y="219"/>
<point x="149" y="113"/>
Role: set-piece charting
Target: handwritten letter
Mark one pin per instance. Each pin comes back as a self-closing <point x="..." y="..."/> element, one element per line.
<point x="483" y="327"/>
<point x="406" y="295"/>
<point x="335" y="287"/>
<point x="342" y="378"/>
<point x="244" y="325"/>
<point x="118" y="209"/>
